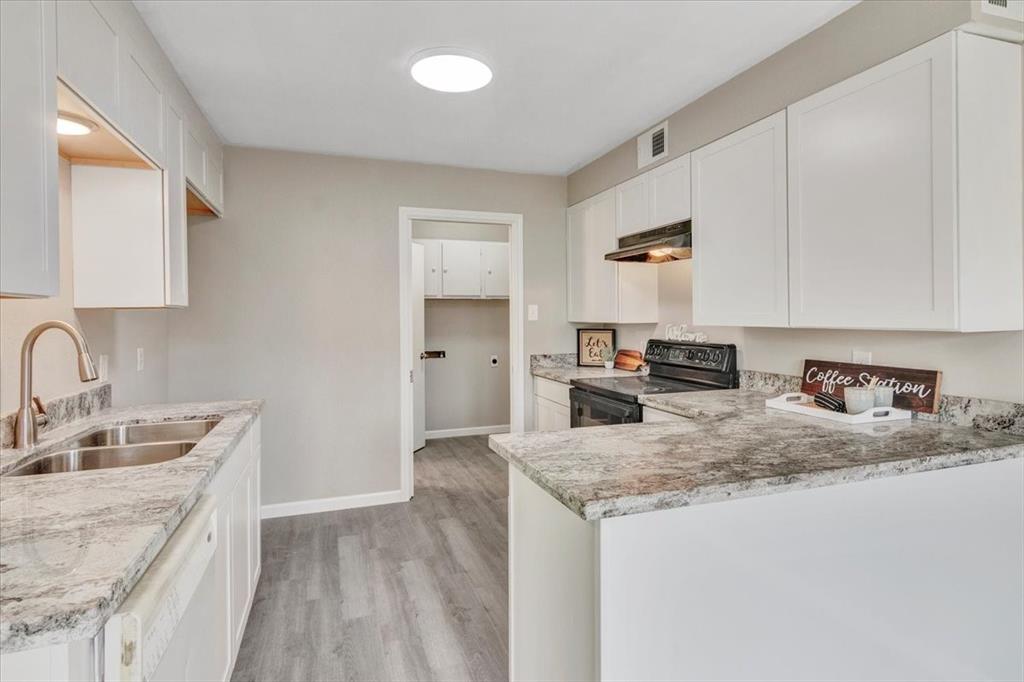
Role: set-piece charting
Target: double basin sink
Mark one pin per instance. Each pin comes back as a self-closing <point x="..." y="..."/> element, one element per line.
<point x="121" y="446"/>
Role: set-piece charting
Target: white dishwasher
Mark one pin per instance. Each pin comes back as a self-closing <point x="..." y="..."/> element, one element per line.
<point x="157" y="634"/>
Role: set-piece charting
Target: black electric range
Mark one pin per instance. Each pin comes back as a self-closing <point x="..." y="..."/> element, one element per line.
<point x="675" y="367"/>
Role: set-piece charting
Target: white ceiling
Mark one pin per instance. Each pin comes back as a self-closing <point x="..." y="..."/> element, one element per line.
<point x="571" y="79"/>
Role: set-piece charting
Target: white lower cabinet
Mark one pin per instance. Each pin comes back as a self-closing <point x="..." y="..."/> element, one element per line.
<point x="550" y="405"/>
<point x="739" y="228"/>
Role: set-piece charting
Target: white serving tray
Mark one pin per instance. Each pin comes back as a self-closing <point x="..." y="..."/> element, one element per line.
<point x="801" y="403"/>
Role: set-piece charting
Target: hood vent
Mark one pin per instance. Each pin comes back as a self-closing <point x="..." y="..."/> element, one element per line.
<point x="660" y="245"/>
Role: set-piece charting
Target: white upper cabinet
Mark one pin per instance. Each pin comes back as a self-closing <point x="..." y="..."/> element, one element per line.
<point x="905" y="193"/>
<point x="495" y="268"/>
<point x="460" y="268"/>
<point x="195" y="159"/>
<point x="176" y="229"/>
<point x="141" y="115"/>
<point x="87" y="55"/>
<point x="29" y="241"/>
<point x="631" y="206"/>
<point x="215" y="181"/>
<point x="593" y="281"/>
<point x="739" y="228"/>
<point x="431" y="267"/>
<point x="669" y="192"/>
<point x="658" y="197"/>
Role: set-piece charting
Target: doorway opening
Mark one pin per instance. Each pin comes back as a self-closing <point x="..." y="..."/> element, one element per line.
<point x="461" y="289"/>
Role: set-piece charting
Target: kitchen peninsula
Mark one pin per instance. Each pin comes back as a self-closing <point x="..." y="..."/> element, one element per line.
<point x="743" y="542"/>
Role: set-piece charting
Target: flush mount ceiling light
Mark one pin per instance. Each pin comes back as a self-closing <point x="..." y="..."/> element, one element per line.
<point x="69" y="124"/>
<point x="448" y="69"/>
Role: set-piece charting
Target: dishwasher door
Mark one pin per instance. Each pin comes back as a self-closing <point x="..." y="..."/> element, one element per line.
<point x="147" y="638"/>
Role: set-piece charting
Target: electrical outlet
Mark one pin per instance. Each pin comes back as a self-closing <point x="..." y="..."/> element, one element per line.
<point x="140" y="359"/>
<point x="494" y="361"/>
<point x="532" y="313"/>
<point x="861" y="357"/>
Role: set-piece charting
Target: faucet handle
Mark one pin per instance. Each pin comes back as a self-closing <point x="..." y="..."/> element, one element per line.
<point x="41" y="417"/>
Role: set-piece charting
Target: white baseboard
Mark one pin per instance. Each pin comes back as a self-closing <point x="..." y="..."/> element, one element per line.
<point x="324" y="504"/>
<point x="468" y="431"/>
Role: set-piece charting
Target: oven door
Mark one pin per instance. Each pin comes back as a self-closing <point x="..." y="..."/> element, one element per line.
<point x="587" y="409"/>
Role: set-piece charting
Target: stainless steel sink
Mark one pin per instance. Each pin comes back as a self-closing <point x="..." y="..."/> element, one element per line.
<point x="82" y="459"/>
<point x="146" y="433"/>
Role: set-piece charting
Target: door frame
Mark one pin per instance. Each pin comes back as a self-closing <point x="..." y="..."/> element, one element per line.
<point x="516" y="328"/>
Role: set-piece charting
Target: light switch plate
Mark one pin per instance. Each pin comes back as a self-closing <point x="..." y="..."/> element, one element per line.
<point x="140" y="359"/>
<point x="532" y="313"/>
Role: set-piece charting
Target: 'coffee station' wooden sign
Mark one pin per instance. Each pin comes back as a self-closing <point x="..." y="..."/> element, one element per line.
<point x="915" y="389"/>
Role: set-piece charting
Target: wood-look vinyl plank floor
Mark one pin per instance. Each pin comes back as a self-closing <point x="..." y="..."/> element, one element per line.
<point x="415" y="591"/>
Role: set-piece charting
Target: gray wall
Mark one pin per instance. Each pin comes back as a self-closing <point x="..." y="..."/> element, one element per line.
<point x="294" y="298"/>
<point x="113" y="333"/>
<point x="463" y="390"/>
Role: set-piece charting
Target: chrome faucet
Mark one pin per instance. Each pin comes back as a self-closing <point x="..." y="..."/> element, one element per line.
<point x="25" y="426"/>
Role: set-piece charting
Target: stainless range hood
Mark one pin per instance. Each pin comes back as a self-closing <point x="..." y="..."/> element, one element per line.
<point x="660" y="245"/>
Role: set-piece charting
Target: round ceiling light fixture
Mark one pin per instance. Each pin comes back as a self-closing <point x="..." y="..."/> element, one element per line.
<point x="70" y="124"/>
<point x="449" y="69"/>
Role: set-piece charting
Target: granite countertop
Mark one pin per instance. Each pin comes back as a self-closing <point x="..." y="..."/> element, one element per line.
<point x="731" y="447"/>
<point x="564" y="375"/>
<point x="72" y="545"/>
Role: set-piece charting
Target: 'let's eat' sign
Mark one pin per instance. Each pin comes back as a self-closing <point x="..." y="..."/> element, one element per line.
<point x="914" y="389"/>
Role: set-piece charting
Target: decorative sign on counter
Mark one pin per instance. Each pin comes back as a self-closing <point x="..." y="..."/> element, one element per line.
<point x="591" y="343"/>
<point x="914" y="389"/>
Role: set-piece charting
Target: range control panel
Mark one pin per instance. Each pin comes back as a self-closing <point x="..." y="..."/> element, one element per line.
<point x="709" y="356"/>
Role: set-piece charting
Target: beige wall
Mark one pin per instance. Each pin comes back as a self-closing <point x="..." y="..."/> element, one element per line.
<point x="865" y="35"/>
<point x="294" y="298"/>
<point x="463" y="390"/>
<point x="114" y="333"/>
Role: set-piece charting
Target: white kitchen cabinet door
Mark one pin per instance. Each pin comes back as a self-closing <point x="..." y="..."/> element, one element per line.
<point x="29" y="240"/>
<point x="631" y="206"/>
<point x="241" y="538"/>
<point x="460" y="268"/>
<point x="550" y="416"/>
<point x="176" y="230"/>
<point x="431" y="267"/>
<point x="195" y="160"/>
<point x="872" y="197"/>
<point x="117" y="222"/>
<point x="87" y="55"/>
<point x="592" y="281"/>
<point x="254" y="523"/>
<point x="141" y="115"/>
<point x="739" y="228"/>
<point x="669" y="192"/>
<point x="495" y="268"/>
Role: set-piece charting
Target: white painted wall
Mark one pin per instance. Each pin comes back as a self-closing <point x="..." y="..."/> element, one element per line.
<point x="294" y="298"/>
<point x="114" y="333"/>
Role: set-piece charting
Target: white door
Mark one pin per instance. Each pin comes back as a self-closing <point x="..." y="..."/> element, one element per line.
<point x="495" y="265"/>
<point x="872" y="197"/>
<point x="419" y="397"/>
<point x="550" y="415"/>
<point x="29" y="264"/>
<point x="141" y="104"/>
<point x="739" y="228"/>
<point x="593" y="281"/>
<point x="669" y="192"/>
<point x="461" y="268"/>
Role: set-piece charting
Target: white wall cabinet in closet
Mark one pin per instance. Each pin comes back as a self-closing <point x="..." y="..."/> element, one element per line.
<point x="905" y="193"/>
<point x="29" y="239"/>
<point x="600" y="290"/>
<point x="739" y="228"/>
<point x="460" y="262"/>
<point x="454" y="268"/>
<point x="494" y="267"/>
<point x="431" y="267"/>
